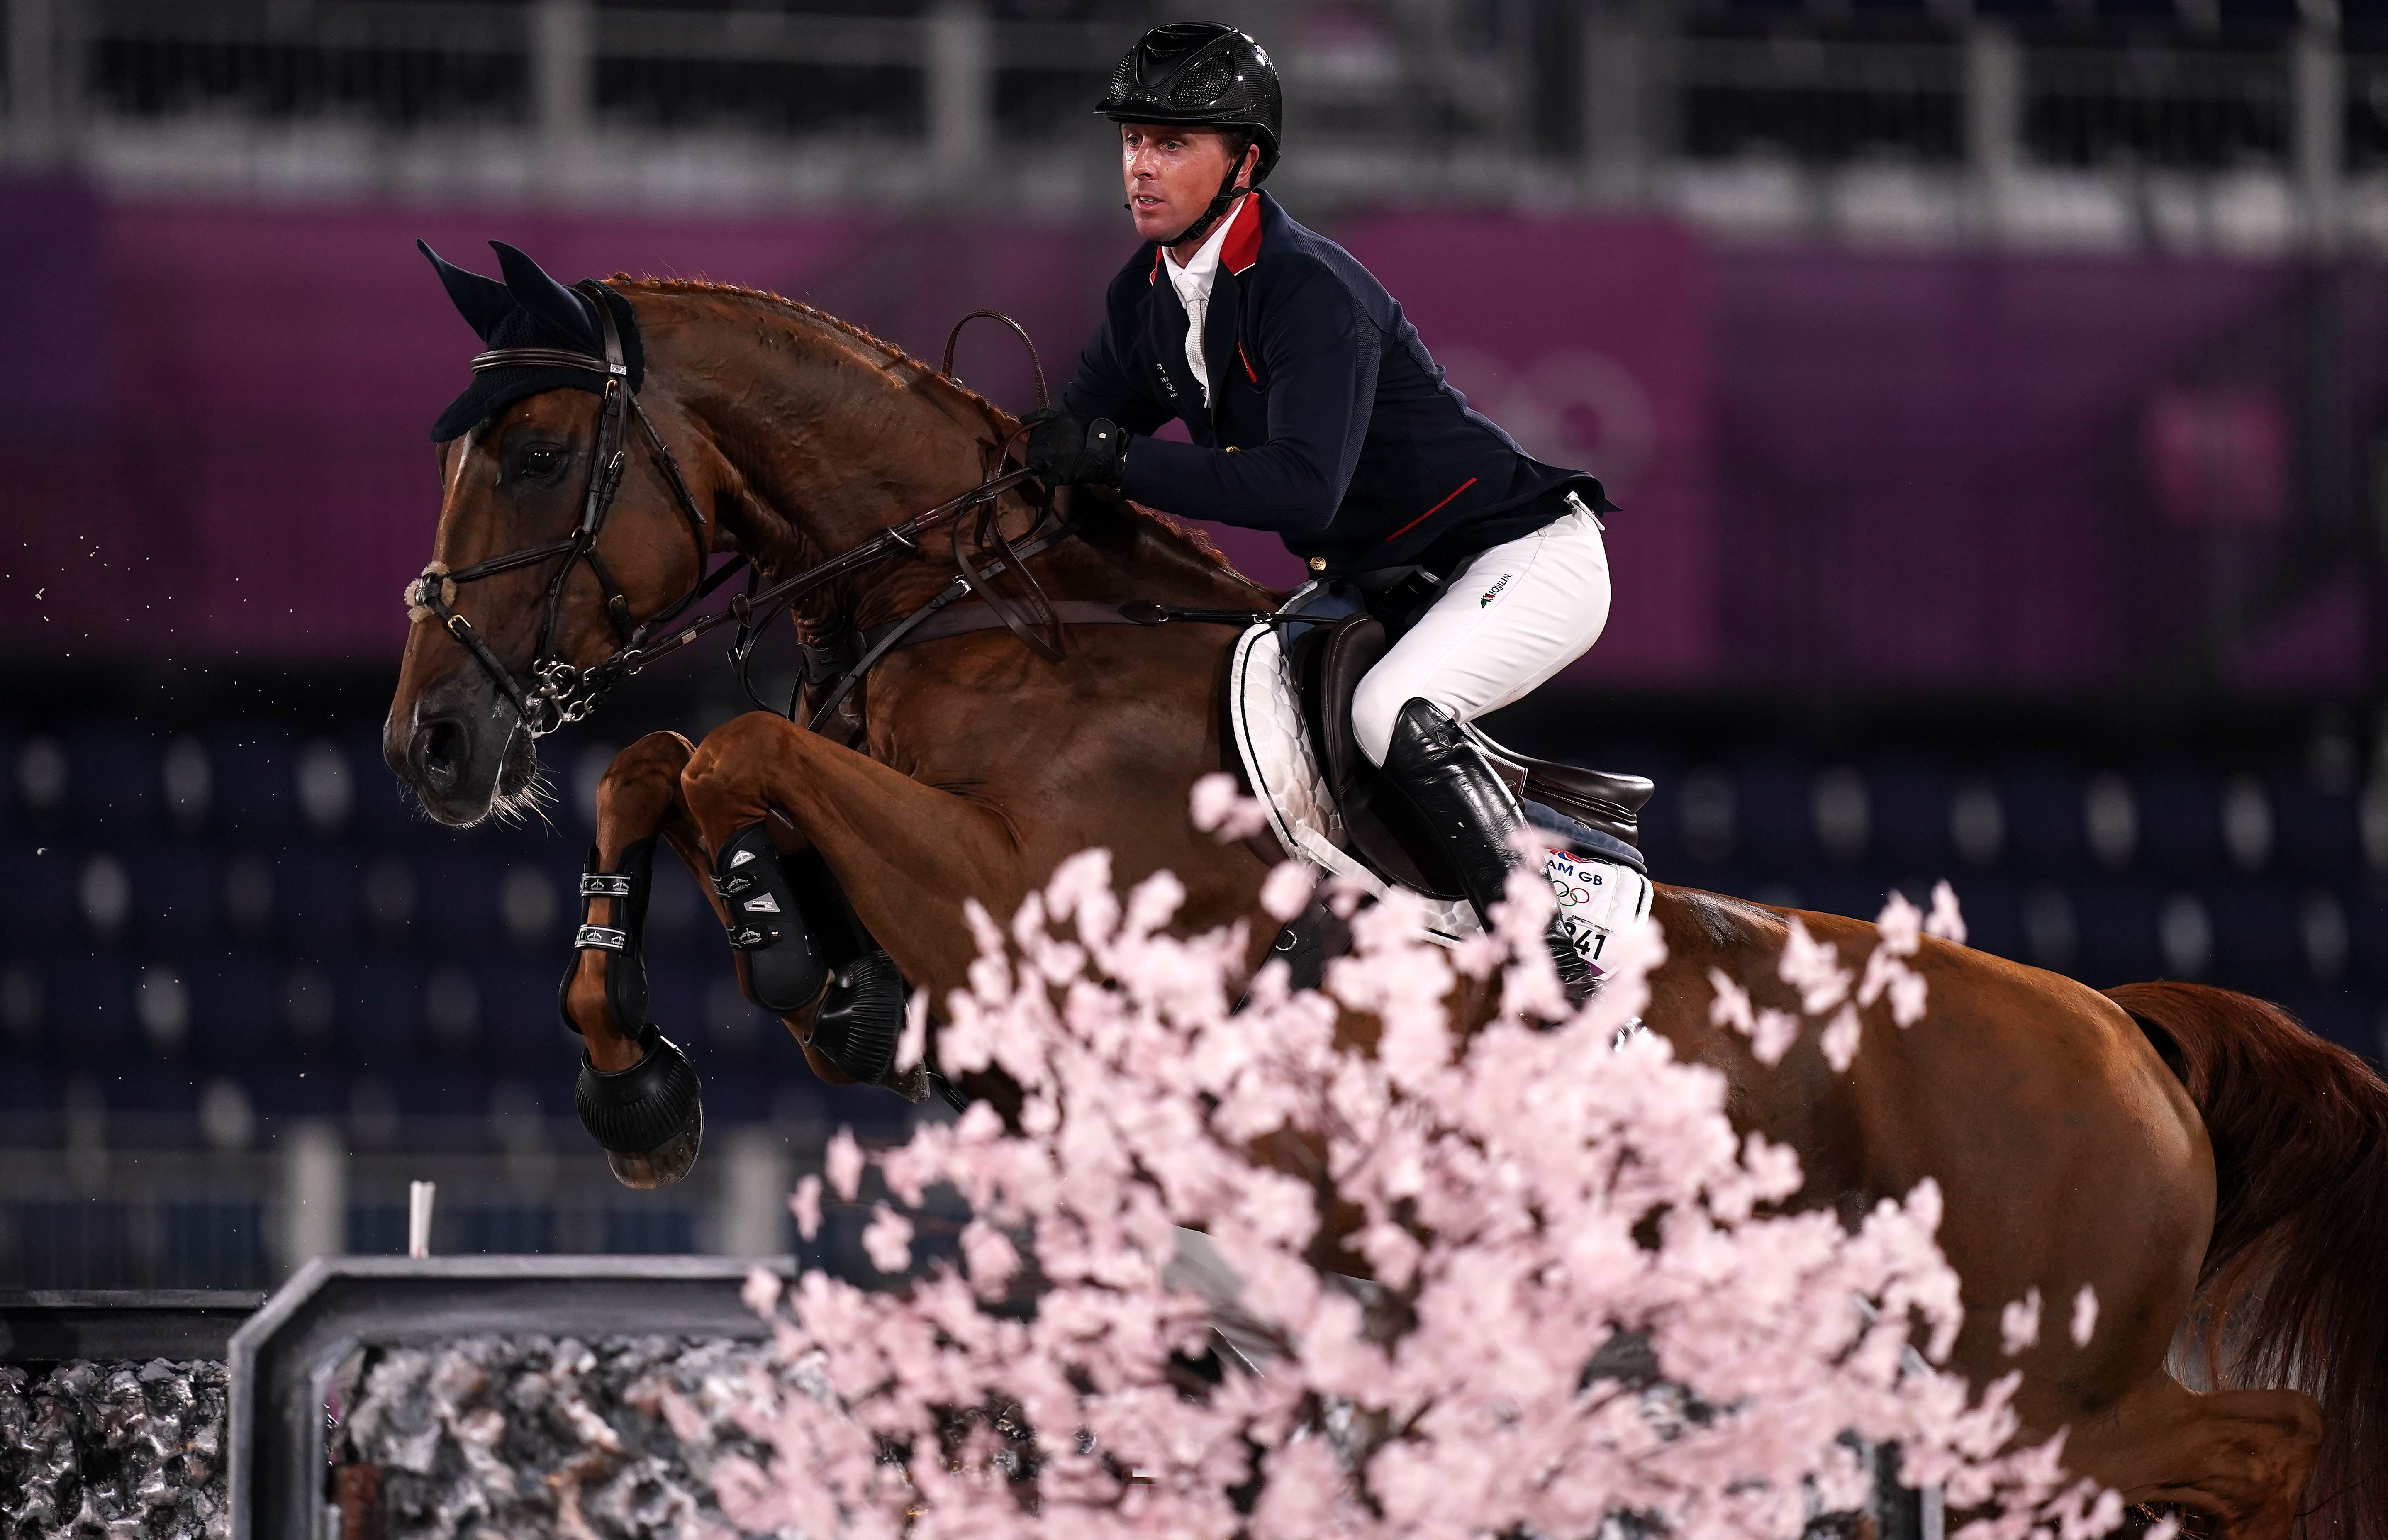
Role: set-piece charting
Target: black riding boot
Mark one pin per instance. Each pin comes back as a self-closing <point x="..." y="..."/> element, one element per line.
<point x="1472" y="814"/>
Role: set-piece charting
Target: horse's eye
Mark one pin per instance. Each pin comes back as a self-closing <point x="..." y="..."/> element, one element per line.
<point x="538" y="462"/>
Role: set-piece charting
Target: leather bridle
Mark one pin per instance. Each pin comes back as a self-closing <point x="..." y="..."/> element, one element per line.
<point x="562" y="693"/>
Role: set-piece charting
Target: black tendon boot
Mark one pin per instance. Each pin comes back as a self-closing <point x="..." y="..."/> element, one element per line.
<point x="1472" y="814"/>
<point x="626" y="964"/>
<point x="649" y="1119"/>
<point x="861" y="1017"/>
<point x="784" y="967"/>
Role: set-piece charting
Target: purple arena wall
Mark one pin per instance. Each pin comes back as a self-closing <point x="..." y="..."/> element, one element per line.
<point x="1926" y="472"/>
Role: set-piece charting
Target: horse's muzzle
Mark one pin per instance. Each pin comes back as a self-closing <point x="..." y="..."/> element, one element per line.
<point x="457" y="752"/>
<point x="436" y="754"/>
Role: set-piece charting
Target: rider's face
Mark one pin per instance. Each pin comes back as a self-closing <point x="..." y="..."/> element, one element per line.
<point x="1172" y="174"/>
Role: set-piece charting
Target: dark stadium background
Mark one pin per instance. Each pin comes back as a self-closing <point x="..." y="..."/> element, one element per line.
<point x="1997" y="396"/>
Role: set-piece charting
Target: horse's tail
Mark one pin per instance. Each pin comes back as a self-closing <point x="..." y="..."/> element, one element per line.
<point x="2296" y="1280"/>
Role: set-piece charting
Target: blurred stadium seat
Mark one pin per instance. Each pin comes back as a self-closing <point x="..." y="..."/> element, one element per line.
<point x="2180" y="824"/>
<point x="2316" y="830"/>
<point x="2046" y="833"/>
<point x="113" y="783"/>
<point x="1909" y="804"/>
<point x="333" y="954"/>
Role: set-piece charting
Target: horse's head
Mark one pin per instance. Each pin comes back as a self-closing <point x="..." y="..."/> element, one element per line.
<point x="517" y="453"/>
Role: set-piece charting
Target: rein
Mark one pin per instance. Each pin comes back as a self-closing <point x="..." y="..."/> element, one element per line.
<point x="562" y="693"/>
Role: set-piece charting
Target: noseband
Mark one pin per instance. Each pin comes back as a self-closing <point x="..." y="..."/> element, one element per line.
<point x="561" y="693"/>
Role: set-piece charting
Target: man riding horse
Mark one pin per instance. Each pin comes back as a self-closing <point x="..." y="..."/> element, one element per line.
<point x="1317" y="413"/>
<point x="621" y="435"/>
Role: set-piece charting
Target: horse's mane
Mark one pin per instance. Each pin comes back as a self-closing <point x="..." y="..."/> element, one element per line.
<point x="1200" y="540"/>
<point x="803" y="312"/>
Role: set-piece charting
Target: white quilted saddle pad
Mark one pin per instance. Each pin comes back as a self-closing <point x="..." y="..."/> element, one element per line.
<point x="1596" y="898"/>
<point x="1266" y="711"/>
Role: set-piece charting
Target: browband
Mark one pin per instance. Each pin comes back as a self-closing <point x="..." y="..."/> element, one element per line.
<point x="544" y="358"/>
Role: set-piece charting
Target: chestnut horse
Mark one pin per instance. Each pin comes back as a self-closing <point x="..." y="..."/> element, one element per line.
<point x="2176" y="1148"/>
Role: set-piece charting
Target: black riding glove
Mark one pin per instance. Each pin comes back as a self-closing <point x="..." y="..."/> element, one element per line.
<point x="1067" y="451"/>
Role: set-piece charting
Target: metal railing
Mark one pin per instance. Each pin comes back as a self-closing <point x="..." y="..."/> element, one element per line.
<point x="1917" y="130"/>
<point x="78" y="1215"/>
<point x="1960" y="132"/>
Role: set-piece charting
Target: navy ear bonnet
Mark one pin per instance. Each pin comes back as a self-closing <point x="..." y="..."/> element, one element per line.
<point x="529" y="310"/>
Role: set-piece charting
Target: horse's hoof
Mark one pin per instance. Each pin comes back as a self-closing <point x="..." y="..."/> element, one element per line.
<point x="666" y="1163"/>
<point x="650" y="1118"/>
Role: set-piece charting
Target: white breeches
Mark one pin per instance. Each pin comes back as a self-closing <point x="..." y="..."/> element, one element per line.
<point x="1512" y="618"/>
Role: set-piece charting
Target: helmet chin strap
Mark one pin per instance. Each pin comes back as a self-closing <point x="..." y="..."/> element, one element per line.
<point x="1228" y="193"/>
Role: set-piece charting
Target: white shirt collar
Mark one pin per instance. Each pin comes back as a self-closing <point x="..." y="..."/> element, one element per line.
<point x="1193" y="281"/>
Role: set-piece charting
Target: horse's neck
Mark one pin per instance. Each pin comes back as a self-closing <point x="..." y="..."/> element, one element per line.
<point x="847" y="444"/>
<point x="872" y="459"/>
<point x="1121" y="553"/>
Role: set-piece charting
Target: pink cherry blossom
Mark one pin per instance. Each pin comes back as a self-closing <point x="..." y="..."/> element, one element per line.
<point x="1945" y="921"/>
<point x="1901" y="923"/>
<point x="2085" y="1316"/>
<point x="1221" y="810"/>
<point x="2019" y="1323"/>
<point x="1569" y="1288"/>
<point x="843" y="1164"/>
<point x="887" y="1240"/>
<point x="761" y="1291"/>
<point x="1840" y="1039"/>
<point x="805" y="1205"/>
<point x="1287" y="889"/>
<point x="1814" y="969"/>
<point x="1772" y="1034"/>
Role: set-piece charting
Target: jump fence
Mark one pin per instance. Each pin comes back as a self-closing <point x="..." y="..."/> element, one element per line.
<point x="287" y="1355"/>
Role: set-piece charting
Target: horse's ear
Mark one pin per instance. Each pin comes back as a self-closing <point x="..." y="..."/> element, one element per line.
<point x="482" y="301"/>
<point x="557" y="307"/>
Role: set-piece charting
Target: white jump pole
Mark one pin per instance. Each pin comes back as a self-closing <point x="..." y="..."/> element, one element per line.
<point x="418" y="1217"/>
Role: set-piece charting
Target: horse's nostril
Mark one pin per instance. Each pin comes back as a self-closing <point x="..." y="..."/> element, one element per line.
<point x="439" y="752"/>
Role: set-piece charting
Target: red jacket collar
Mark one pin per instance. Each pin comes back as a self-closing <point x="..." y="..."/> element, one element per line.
<point x="1239" y="251"/>
<point x="1242" y="247"/>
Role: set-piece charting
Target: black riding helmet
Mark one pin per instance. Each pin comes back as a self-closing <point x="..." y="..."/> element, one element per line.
<point x="1202" y="74"/>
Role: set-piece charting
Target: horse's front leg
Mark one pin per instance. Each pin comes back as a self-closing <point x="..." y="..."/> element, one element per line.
<point x="604" y="992"/>
<point x="638" y="1095"/>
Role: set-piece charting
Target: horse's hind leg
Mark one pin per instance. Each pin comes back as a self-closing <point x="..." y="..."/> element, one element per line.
<point x="638" y="1095"/>
<point x="906" y="854"/>
<point x="2237" y="1458"/>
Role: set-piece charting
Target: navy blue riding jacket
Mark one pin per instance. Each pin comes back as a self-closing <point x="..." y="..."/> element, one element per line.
<point x="1328" y="422"/>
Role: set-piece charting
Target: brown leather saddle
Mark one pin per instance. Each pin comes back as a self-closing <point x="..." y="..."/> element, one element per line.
<point x="1380" y="830"/>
